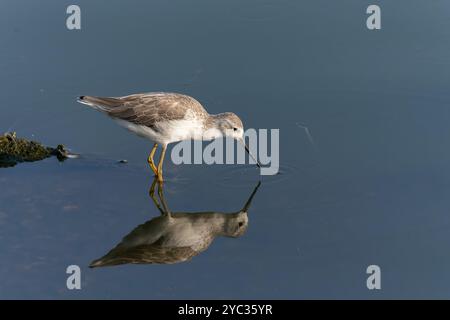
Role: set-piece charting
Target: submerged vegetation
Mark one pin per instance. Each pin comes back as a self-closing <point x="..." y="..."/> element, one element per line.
<point x="14" y="150"/>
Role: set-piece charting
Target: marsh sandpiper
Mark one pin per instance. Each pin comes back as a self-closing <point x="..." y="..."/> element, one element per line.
<point x="167" y="117"/>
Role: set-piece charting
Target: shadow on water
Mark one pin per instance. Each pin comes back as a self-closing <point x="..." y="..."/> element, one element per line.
<point x="175" y="237"/>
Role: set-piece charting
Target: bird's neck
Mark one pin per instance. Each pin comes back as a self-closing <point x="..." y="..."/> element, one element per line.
<point x="216" y="221"/>
<point x="211" y="126"/>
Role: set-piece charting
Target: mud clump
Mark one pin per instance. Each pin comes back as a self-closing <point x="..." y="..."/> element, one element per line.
<point x="14" y="150"/>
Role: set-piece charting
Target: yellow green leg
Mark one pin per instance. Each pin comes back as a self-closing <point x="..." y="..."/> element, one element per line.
<point x="160" y="165"/>
<point x="150" y="159"/>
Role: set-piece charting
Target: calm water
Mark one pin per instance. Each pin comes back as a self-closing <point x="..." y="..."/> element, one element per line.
<point x="373" y="188"/>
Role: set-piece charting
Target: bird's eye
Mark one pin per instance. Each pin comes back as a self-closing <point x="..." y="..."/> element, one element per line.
<point x="235" y="129"/>
<point x="241" y="224"/>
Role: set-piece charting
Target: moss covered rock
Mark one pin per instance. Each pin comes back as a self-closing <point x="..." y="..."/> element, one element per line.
<point x="14" y="150"/>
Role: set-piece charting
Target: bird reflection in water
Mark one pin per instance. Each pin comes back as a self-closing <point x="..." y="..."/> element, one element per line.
<point x="175" y="237"/>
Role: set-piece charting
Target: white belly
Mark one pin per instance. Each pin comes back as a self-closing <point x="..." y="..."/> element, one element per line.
<point x="167" y="132"/>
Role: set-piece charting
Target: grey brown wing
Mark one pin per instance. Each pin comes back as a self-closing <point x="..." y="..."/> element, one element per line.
<point x="148" y="109"/>
<point x="145" y="254"/>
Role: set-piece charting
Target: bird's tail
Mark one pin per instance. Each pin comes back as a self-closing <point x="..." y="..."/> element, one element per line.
<point x="99" y="103"/>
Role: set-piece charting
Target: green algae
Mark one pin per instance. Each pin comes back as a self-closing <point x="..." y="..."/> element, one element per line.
<point x="14" y="150"/>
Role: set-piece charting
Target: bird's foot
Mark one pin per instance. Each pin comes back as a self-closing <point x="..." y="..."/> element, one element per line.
<point x="158" y="177"/>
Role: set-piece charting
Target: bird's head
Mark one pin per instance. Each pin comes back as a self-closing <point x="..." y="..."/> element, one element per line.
<point x="236" y="225"/>
<point x="229" y="125"/>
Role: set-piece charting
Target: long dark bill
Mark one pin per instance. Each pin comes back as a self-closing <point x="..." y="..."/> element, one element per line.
<point x="250" y="154"/>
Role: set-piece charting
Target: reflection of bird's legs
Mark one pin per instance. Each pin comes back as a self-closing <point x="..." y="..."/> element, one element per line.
<point x="163" y="200"/>
<point x="152" y="188"/>
<point x="150" y="159"/>
<point x="160" y="165"/>
<point x="152" y="196"/>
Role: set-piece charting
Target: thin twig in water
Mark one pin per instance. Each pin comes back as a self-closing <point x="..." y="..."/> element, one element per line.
<point x="308" y="134"/>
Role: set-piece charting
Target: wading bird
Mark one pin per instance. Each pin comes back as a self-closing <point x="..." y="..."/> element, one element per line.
<point x="167" y="117"/>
